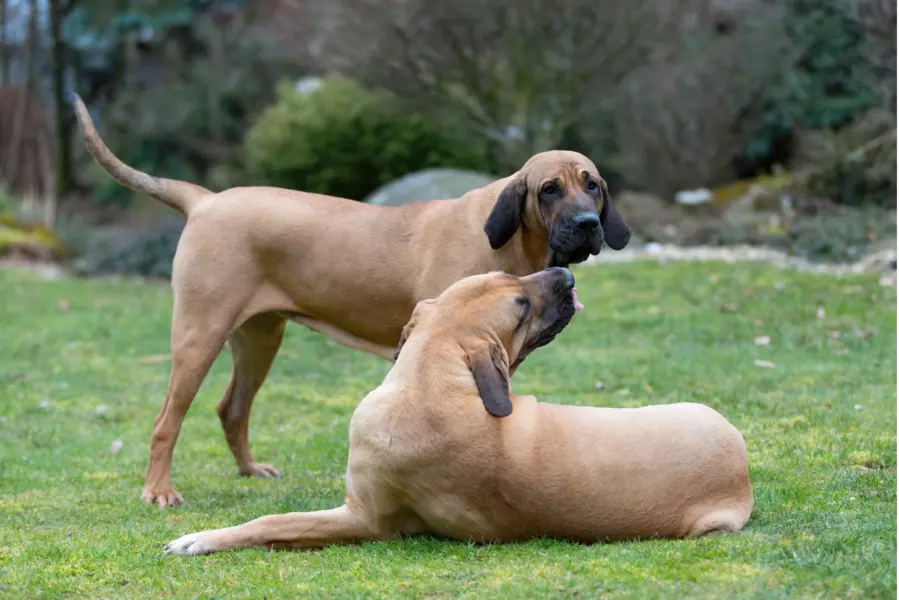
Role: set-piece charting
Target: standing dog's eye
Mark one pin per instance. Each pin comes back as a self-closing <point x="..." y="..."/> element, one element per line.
<point x="551" y="189"/>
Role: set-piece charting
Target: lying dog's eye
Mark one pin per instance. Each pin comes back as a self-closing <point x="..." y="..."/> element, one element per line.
<point x="551" y="189"/>
<point x="525" y="305"/>
<point x="591" y="185"/>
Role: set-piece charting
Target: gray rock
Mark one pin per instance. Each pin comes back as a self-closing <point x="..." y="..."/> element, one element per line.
<point x="429" y="184"/>
<point x="694" y="197"/>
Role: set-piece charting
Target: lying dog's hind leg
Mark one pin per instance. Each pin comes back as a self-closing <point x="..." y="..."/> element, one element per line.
<point x="253" y="348"/>
<point x="291" y="530"/>
<point x="718" y="522"/>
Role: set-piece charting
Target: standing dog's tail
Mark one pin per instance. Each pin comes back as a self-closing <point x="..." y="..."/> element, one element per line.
<point x="180" y="195"/>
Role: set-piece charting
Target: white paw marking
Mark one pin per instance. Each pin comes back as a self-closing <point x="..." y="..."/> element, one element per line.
<point x="191" y="544"/>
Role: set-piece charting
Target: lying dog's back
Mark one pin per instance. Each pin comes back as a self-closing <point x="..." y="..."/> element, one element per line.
<point x="572" y="472"/>
<point x="627" y="473"/>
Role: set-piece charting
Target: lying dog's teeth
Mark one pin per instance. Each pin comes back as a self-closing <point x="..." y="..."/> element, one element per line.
<point x="577" y="305"/>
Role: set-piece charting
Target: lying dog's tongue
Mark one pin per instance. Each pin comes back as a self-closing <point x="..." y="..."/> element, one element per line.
<point x="577" y="305"/>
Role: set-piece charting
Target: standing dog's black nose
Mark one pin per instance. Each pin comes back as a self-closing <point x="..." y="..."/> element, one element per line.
<point x="587" y="221"/>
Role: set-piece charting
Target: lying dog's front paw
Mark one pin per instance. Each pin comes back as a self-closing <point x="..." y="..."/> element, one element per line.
<point x="191" y="544"/>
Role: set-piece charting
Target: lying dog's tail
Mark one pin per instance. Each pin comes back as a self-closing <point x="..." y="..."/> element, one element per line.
<point x="180" y="195"/>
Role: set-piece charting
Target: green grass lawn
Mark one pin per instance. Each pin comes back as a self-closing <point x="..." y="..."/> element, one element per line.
<point x="819" y="420"/>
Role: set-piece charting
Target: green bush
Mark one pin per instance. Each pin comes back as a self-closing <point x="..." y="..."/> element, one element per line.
<point x="344" y="140"/>
<point x="855" y="165"/>
<point x="829" y="86"/>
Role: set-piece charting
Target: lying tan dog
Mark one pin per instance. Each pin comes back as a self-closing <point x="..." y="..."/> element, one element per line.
<point x="250" y="259"/>
<point x="426" y="457"/>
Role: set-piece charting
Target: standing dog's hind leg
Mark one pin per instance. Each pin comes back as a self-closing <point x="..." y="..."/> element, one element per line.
<point x="253" y="348"/>
<point x="195" y="346"/>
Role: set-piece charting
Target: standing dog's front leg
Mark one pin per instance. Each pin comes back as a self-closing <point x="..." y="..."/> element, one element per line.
<point x="292" y="530"/>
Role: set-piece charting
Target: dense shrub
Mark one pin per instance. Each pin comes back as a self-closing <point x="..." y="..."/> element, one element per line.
<point x="148" y="253"/>
<point x="186" y="118"/>
<point x="344" y="140"/>
<point x="841" y="234"/>
<point x="830" y="85"/>
<point x="854" y="165"/>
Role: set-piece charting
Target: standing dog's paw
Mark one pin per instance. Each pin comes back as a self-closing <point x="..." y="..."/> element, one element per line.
<point x="256" y="469"/>
<point x="163" y="498"/>
<point x="191" y="544"/>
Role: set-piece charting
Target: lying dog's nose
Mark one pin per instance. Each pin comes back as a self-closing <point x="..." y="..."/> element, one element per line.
<point x="565" y="276"/>
<point x="587" y="221"/>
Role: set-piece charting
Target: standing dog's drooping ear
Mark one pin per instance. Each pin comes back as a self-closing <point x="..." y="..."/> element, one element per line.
<point x="615" y="231"/>
<point x="507" y="214"/>
<point x="492" y="378"/>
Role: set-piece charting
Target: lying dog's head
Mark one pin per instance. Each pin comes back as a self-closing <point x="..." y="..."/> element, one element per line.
<point x="498" y="319"/>
<point x="560" y="196"/>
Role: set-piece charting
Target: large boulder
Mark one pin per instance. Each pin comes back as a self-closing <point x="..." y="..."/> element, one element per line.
<point x="429" y="184"/>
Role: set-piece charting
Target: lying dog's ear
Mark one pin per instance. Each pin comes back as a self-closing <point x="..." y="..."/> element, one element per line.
<point x="403" y="336"/>
<point x="413" y="320"/>
<point x="492" y="378"/>
<point x="615" y="231"/>
<point x="507" y="214"/>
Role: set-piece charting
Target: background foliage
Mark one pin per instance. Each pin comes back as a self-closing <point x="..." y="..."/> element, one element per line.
<point x="664" y="97"/>
<point x="345" y="140"/>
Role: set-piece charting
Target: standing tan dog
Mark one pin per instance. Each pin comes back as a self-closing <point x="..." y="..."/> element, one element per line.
<point x="252" y="258"/>
<point x="426" y="457"/>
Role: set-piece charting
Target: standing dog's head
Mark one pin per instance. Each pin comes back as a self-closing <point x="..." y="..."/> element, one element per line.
<point x="560" y="196"/>
<point x="498" y="319"/>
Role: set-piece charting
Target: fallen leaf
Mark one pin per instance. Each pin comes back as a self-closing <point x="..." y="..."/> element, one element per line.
<point x="780" y="286"/>
<point x="63" y="305"/>
<point x="648" y="388"/>
<point x="154" y="358"/>
<point x="762" y="340"/>
<point x="599" y="385"/>
<point x="115" y="446"/>
<point x="748" y="292"/>
<point x="713" y="278"/>
<point x="858" y="407"/>
<point x="821" y="313"/>
<point x="764" y="363"/>
<point x="865" y="334"/>
<point x="834" y="335"/>
<point x="730" y="308"/>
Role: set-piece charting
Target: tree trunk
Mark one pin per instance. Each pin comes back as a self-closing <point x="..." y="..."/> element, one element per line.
<point x="63" y="123"/>
<point x="14" y="149"/>
<point x="4" y="54"/>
